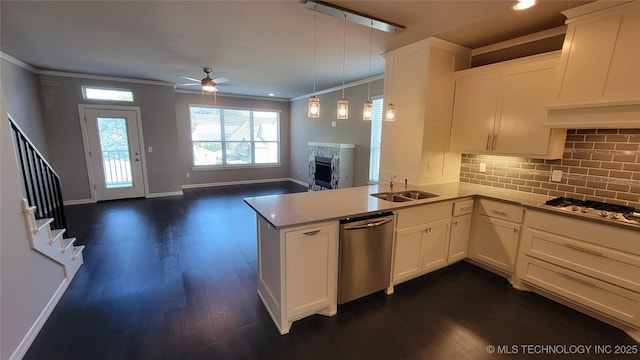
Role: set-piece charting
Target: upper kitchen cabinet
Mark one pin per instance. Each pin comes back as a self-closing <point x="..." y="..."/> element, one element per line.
<point x="598" y="80"/>
<point x="419" y="81"/>
<point x="501" y="109"/>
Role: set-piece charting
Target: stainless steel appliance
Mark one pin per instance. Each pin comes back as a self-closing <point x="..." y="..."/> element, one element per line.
<point x="596" y="209"/>
<point x="365" y="256"/>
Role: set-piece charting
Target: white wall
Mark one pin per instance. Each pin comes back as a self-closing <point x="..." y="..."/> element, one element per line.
<point x="28" y="280"/>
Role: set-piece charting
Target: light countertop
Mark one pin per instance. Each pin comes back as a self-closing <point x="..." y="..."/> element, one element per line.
<point x="316" y="206"/>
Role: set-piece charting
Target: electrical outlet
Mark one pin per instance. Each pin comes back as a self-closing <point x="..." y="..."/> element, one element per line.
<point x="150" y="149"/>
<point x="333" y="124"/>
<point x="188" y="175"/>
<point x="483" y="167"/>
<point x="556" y="175"/>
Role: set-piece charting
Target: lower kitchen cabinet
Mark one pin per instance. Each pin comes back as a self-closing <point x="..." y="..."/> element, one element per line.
<point x="421" y="241"/>
<point x="297" y="271"/>
<point x="495" y="235"/>
<point x="594" y="267"/>
<point x="459" y="238"/>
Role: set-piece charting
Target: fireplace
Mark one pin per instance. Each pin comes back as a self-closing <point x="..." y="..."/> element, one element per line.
<point x="323" y="172"/>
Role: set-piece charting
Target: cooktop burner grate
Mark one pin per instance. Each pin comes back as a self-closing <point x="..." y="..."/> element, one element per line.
<point x="627" y="211"/>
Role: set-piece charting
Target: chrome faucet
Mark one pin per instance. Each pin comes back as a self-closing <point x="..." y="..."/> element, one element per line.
<point x="405" y="184"/>
<point x="391" y="183"/>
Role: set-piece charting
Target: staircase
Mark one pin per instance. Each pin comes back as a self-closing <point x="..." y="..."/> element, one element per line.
<point x="51" y="242"/>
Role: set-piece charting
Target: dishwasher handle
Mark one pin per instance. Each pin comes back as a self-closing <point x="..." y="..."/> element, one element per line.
<point x="368" y="225"/>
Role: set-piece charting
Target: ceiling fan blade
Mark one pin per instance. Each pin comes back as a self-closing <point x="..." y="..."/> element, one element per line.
<point x="221" y="79"/>
<point x="187" y="84"/>
<point x="189" y="78"/>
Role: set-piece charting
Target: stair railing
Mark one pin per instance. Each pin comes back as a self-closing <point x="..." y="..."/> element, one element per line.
<point x="41" y="182"/>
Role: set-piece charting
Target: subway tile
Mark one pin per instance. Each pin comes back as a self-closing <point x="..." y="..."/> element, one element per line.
<point x="570" y="162"/>
<point x="628" y="197"/>
<point x="578" y="170"/>
<point x="586" y="191"/>
<point x="575" y="138"/>
<point x="635" y="189"/>
<point x="631" y="167"/>
<point x="543" y="167"/>
<point x="634" y="138"/>
<point x="627" y="147"/>
<point x="511" y="187"/>
<point x="583" y="145"/>
<point x="590" y="164"/>
<point x="526" y="176"/>
<point x="560" y="167"/>
<point x="549" y="186"/>
<point x="625" y="158"/>
<point x="599" y="172"/>
<point x="611" y="165"/>
<point x="604" y="146"/>
<point x="618" y="187"/>
<point x="553" y="161"/>
<point x="542" y="177"/>
<point x="484" y="182"/>
<point x="601" y="157"/>
<point x="605" y="193"/>
<point x="533" y="183"/>
<point x="566" y="188"/>
<point x="556" y="193"/>
<point x="492" y="178"/>
<point x="607" y="131"/>
<point x="525" y="189"/>
<point x="577" y="182"/>
<point x="617" y="138"/>
<point x="629" y="131"/>
<point x="620" y="174"/>
<point x="581" y="155"/>
<point x="518" y="182"/>
<point x="596" y="138"/>
<point x="597" y="184"/>
<point x="497" y="184"/>
<point x="586" y="131"/>
<point x="540" y="191"/>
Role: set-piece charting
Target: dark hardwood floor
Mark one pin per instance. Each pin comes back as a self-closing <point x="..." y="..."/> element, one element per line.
<point x="175" y="278"/>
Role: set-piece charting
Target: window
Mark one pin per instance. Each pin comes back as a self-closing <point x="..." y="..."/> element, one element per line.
<point x="96" y="93"/>
<point x="234" y="137"/>
<point x="376" y="139"/>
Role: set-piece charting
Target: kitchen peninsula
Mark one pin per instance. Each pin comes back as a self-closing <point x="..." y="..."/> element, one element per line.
<point x="298" y="241"/>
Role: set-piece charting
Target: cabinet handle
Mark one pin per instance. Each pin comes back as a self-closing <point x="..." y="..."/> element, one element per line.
<point x="311" y="233"/>
<point x="488" y="142"/>
<point x="427" y="230"/>
<point x="499" y="213"/>
<point x="493" y="143"/>
<point x="588" y="251"/>
<point x="515" y="230"/>
<point x="581" y="281"/>
<point x="455" y="223"/>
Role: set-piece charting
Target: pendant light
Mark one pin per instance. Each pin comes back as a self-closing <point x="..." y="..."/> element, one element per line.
<point x="343" y="104"/>
<point x="367" y="110"/>
<point x="314" y="100"/>
<point x="390" y="114"/>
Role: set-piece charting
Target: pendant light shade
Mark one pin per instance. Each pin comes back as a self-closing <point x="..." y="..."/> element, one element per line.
<point x="314" y="100"/>
<point x="314" y="107"/>
<point x="391" y="112"/>
<point x="367" y="113"/>
<point x="343" y="109"/>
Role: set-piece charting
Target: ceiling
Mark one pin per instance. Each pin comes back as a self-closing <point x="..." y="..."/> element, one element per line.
<point x="263" y="46"/>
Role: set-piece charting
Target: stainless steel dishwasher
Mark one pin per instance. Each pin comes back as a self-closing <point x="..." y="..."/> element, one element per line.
<point x="365" y="256"/>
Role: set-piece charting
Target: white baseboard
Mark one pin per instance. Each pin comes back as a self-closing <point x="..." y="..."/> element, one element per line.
<point x="299" y="182"/>
<point x="79" y="202"/>
<point x="164" y="194"/>
<point x="26" y="342"/>
<point x="239" y="182"/>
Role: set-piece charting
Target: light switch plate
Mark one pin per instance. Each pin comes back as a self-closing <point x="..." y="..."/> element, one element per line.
<point x="483" y="167"/>
<point x="556" y="175"/>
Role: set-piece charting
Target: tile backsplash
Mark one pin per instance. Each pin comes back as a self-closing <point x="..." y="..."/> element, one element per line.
<point x="598" y="164"/>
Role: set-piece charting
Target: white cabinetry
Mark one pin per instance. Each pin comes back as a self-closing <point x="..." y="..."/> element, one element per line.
<point x="421" y="240"/>
<point x="419" y="81"/>
<point x="298" y="271"/>
<point x="495" y="235"/>
<point x="501" y="108"/>
<point x="598" y="79"/>
<point x="460" y="227"/>
<point x="594" y="266"/>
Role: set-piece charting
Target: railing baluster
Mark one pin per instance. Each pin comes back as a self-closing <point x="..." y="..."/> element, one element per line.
<point x="41" y="183"/>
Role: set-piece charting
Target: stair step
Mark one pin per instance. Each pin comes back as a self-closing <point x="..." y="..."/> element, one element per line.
<point x="77" y="251"/>
<point x="41" y="224"/>
<point x="67" y="244"/>
<point x="56" y="235"/>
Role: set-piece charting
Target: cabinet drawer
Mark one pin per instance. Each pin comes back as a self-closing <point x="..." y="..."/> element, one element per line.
<point x="500" y="210"/>
<point x="463" y="207"/>
<point x="605" y="298"/>
<point x="417" y="215"/>
<point x="610" y="265"/>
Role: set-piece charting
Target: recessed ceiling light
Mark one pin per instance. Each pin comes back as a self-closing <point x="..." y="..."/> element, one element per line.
<point x="272" y="94"/>
<point x="524" y="4"/>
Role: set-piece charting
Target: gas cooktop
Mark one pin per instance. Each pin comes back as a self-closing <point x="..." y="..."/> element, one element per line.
<point x="598" y="209"/>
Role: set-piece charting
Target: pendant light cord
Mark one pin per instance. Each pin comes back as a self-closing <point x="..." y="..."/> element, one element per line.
<point x="370" y="47"/>
<point x="315" y="15"/>
<point x="344" y="52"/>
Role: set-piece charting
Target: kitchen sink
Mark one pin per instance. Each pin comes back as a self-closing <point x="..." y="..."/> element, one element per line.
<point x="402" y="196"/>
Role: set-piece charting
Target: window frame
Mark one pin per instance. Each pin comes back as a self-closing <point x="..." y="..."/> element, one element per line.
<point x="224" y="142"/>
<point x="85" y="97"/>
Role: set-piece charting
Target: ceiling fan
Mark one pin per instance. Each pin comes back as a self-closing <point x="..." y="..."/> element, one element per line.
<point x="207" y="83"/>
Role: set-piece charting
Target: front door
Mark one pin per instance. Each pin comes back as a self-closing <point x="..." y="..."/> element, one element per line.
<point x="113" y="142"/>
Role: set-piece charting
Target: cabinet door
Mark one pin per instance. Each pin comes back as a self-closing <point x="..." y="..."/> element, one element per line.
<point x="459" y="238"/>
<point x="435" y="245"/>
<point x="474" y="111"/>
<point x="495" y="242"/>
<point x="525" y="95"/>
<point x="601" y="59"/>
<point x="406" y="256"/>
<point x="311" y="269"/>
